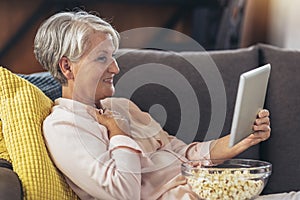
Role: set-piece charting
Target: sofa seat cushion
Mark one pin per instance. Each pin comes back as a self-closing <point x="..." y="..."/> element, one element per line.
<point x="23" y="107"/>
<point x="10" y="186"/>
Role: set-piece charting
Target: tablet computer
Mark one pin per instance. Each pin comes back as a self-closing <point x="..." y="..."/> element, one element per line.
<point x="249" y="101"/>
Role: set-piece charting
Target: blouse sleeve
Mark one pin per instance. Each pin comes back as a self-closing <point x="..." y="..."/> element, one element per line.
<point x="193" y="151"/>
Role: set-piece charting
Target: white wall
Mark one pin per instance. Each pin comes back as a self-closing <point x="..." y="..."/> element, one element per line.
<point x="284" y="23"/>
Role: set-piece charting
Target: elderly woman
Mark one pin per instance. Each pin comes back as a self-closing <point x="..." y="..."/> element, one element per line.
<point x="107" y="148"/>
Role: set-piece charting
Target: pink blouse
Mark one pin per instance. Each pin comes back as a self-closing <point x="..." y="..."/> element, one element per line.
<point x="97" y="167"/>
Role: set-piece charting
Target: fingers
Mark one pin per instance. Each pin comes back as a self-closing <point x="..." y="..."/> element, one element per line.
<point x="263" y="113"/>
<point x="262" y="132"/>
<point x="106" y="113"/>
<point x="263" y="127"/>
<point x="99" y="115"/>
<point x="260" y="121"/>
<point x="110" y="114"/>
<point x="101" y="111"/>
<point x="103" y="114"/>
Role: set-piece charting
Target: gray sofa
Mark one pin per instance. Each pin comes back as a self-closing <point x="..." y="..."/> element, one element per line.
<point x="176" y="87"/>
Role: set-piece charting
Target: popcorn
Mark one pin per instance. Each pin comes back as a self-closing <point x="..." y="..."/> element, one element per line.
<point x="225" y="184"/>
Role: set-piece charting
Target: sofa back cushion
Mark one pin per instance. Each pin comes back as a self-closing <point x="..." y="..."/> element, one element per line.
<point x="45" y="82"/>
<point x="191" y="94"/>
<point x="283" y="100"/>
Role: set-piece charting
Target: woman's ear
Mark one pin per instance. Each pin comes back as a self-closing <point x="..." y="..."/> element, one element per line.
<point x="65" y="67"/>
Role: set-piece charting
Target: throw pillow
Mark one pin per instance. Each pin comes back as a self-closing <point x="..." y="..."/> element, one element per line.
<point x="3" y="150"/>
<point x="23" y="107"/>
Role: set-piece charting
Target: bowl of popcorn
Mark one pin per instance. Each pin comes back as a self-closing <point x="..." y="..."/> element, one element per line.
<point x="227" y="179"/>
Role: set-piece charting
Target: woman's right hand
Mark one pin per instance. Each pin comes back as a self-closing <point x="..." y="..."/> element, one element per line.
<point x="113" y="121"/>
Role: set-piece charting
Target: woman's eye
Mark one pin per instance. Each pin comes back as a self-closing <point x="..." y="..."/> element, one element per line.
<point x="102" y="59"/>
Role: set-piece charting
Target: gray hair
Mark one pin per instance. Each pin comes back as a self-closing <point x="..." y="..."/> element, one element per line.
<point x="66" y="34"/>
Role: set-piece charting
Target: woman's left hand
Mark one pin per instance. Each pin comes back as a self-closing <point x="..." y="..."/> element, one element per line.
<point x="261" y="128"/>
<point x="219" y="148"/>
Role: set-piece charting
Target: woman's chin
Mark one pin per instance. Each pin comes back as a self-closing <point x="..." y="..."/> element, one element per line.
<point x="110" y="92"/>
<point x="105" y="95"/>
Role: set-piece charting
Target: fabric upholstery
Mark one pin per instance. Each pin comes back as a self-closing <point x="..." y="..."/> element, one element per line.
<point x="23" y="108"/>
<point x="10" y="186"/>
<point x="5" y="164"/>
<point x="230" y="63"/>
<point x="283" y="100"/>
<point x="45" y="82"/>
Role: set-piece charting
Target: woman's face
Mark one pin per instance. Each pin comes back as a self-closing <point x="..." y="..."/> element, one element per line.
<point x="94" y="72"/>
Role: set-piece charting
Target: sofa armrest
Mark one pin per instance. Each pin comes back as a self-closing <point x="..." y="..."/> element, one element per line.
<point x="10" y="184"/>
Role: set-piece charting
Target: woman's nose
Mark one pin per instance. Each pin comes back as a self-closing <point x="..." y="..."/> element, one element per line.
<point x="113" y="67"/>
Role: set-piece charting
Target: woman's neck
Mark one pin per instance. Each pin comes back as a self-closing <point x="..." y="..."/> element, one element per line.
<point x="69" y="94"/>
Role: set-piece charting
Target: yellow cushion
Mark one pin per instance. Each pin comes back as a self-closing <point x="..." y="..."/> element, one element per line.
<point x="3" y="149"/>
<point x="23" y="107"/>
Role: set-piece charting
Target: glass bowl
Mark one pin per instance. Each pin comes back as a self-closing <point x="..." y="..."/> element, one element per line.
<point x="227" y="179"/>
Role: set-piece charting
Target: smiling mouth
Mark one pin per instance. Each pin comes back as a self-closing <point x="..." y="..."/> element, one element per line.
<point x="109" y="80"/>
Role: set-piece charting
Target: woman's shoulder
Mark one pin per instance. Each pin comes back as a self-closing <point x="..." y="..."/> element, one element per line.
<point x="58" y="114"/>
<point x="66" y="110"/>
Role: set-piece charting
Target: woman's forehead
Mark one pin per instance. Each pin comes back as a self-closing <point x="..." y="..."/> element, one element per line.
<point x="100" y="39"/>
<point x="100" y="42"/>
